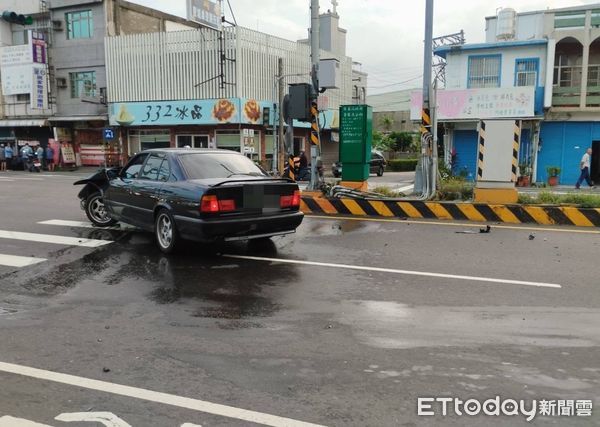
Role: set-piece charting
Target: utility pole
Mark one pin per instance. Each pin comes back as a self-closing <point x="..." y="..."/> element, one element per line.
<point x="280" y="151"/>
<point x="429" y="170"/>
<point x="315" y="149"/>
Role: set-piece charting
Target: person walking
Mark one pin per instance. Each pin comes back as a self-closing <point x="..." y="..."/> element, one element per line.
<point x="585" y="169"/>
<point x="50" y="158"/>
<point x="2" y="158"/>
<point x="26" y="153"/>
<point x="8" y="156"/>
<point x="41" y="156"/>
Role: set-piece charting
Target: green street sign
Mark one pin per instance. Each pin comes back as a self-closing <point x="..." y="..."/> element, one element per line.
<point x="356" y="134"/>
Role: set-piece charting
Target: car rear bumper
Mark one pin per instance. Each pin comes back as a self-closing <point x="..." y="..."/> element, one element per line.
<point x="210" y="230"/>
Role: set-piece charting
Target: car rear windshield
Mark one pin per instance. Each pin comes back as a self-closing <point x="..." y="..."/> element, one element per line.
<point x="218" y="165"/>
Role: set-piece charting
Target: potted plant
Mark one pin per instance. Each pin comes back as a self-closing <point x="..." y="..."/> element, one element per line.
<point x="553" y="172"/>
<point x="524" y="178"/>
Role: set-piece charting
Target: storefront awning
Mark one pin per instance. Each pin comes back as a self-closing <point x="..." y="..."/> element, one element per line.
<point x="23" y="123"/>
<point x="78" y="118"/>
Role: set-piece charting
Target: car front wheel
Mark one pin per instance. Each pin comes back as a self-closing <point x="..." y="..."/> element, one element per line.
<point x="165" y="231"/>
<point x="96" y="212"/>
<point x="380" y="171"/>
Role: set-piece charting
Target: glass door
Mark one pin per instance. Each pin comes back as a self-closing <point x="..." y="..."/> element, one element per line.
<point x="193" y="141"/>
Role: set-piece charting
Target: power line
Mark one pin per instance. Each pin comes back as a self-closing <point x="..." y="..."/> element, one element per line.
<point x="395" y="84"/>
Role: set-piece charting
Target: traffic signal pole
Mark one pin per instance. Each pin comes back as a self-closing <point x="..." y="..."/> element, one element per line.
<point x="315" y="139"/>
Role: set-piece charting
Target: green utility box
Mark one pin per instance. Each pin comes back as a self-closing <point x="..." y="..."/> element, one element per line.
<point x="356" y="134"/>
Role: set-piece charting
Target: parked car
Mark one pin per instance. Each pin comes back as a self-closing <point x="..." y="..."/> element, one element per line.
<point x="195" y="194"/>
<point x="377" y="165"/>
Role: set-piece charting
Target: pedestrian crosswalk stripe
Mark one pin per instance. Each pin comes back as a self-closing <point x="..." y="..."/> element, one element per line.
<point x="84" y="224"/>
<point x="50" y="238"/>
<point x="19" y="261"/>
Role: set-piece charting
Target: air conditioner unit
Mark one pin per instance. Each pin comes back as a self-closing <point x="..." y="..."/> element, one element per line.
<point x="57" y="25"/>
<point x="61" y="82"/>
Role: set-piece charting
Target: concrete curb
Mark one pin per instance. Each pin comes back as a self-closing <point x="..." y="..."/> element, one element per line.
<point x="481" y="212"/>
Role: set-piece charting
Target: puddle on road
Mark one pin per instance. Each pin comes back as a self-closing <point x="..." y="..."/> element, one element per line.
<point x="337" y="228"/>
<point x="212" y="287"/>
<point x="390" y="325"/>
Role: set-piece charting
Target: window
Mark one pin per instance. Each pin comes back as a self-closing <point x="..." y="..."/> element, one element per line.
<point x="80" y="25"/>
<point x="484" y="71"/>
<point x="194" y="141"/>
<point x="526" y="72"/>
<point x="133" y="168"/>
<point x="164" y="173"/>
<point x="83" y="84"/>
<point x="151" y="168"/>
<point x="23" y="97"/>
<point x="217" y="165"/>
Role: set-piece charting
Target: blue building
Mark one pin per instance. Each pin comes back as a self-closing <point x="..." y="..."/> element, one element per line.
<point x="541" y="68"/>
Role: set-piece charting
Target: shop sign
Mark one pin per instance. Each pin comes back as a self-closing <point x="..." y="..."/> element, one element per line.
<point x="193" y="112"/>
<point x="488" y="103"/>
<point x="205" y="12"/>
<point x="67" y="153"/>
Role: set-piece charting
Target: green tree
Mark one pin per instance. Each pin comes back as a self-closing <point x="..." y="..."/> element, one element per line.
<point x="387" y="122"/>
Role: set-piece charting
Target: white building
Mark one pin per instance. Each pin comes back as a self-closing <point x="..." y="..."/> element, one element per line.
<point x="541" y="67"/>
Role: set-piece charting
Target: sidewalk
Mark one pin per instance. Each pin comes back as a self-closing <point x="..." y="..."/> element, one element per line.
<point x="559" y="189"/>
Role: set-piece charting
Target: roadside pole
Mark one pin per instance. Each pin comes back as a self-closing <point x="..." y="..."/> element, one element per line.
<point x="427" y="143"/>
<point x="315" y="139"/>
<point x="280" y="151"/>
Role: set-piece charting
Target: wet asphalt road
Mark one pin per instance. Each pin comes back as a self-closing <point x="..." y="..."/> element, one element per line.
<point x="321" y="344"/>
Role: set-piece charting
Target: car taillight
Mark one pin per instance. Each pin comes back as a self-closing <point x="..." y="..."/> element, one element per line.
<point x="291" y="201"/>
<point x="211" y="204"/>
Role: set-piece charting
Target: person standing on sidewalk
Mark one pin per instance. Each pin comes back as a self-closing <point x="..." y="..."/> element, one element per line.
<point x="50" y="158"/>
<point x="585" y="169"/>
<point x="2" y="158"/>
<point x="8" y="156"/>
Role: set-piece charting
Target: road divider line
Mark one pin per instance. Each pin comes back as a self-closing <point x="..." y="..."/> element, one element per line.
<point x="395" y="271"/>
<point x="19" y="261"/>
<point x="50" y="238"/>
<point x="83" y="224"/>
<point x="154" y="396"/>
<point x="523" y="227"/>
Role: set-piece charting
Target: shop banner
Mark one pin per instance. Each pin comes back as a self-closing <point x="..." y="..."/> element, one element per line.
<point x="193" y="112"/>
<point x="67" y="153"/>
<point x="39" y="89"/>
<point x="476" y="104"/>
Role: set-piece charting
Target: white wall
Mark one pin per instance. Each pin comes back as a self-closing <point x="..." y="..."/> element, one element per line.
<point x="23" y="7"/>
<point x="457" y="64"/>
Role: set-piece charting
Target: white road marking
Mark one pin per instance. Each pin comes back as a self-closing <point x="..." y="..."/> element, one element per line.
<point x="107" y="419"/>
<point x="8" y="421"/>
<point x="19" y="261"/>
<point x="83" y="224"/>
<point x="50" y="238"/>
<point x="395" y="271"/>
<point x="2" y="179"/>
<point x="13" y="177"/>
<point x="190" y="425"/>
<point x="154" y="396"/>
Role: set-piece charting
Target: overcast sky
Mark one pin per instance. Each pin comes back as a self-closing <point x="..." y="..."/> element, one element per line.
<point x="384" y="35"/>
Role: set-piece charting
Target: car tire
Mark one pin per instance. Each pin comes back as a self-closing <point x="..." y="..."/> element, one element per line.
<point x="380" y="171"/>
<point x="96" y="211"/>
<point x="165" y="232"/>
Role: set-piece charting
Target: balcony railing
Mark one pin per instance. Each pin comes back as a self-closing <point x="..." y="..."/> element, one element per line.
<point x="566" y="96"/>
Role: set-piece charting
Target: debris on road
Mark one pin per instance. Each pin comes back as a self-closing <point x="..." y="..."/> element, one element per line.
<point x="105" y="369"/>
<point x="487" y="229"/>
<point x="531" y="236"/>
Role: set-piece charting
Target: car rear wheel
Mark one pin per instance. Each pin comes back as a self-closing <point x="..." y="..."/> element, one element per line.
<point x="380" y="171"/>
<point x="165" y="231"/>
<point x="96" y="211"/>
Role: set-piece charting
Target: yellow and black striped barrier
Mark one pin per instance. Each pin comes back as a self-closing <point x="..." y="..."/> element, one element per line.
<point x="481" y="212"/>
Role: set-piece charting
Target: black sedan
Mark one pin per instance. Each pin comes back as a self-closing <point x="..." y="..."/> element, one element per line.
<point x="193" y="194"/>
<point x="376" y="166"/>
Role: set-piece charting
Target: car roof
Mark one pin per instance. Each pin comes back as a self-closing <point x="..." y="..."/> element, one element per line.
<point x="188" y="150"/>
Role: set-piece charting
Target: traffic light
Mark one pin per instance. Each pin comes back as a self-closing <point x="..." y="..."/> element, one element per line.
<point x="266" y="116"/>
<point x="300" y="102"/>
<point x="15" y="18"/>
